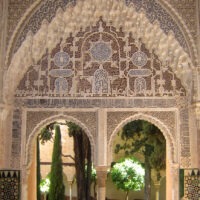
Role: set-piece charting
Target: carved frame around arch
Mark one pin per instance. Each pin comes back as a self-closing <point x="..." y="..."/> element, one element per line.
<point x="32" y="136"/>
<point x="170" y="139"/>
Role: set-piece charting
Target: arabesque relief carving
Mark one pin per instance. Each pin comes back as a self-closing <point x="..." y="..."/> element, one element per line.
<point x="100" y="61"/>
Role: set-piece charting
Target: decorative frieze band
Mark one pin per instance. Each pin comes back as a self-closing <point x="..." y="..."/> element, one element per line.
<point x="96" y="102"/>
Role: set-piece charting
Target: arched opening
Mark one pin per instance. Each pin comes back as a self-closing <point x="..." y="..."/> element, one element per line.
<point x="145" y="142"/>
<point x="77" y="151"/>
<point x="166" y="192"/>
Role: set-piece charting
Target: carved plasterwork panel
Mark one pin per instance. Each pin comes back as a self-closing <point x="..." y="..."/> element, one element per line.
<point x="167" y="117"/>
<point x="185" y="138"/>
<point x="35" y="117"/>
<point x="16" y="9"/>
<point x="100" y="62"/>
<point x="153" y="9"/>
<point x="187" y="10"/>
<point x="97" y="102"/>
<point x="130" y="21"/>
<point x="35" y="13"/>
<point x="16" y="139"/>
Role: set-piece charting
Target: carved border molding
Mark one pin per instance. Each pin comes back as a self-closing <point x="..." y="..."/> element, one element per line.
<point x="162" y="119"/>
<point x="165" y="121"/>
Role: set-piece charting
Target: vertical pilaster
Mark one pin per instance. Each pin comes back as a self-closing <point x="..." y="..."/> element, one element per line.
<point x="102" y="154"/>
<point x="102" y="138"/>
<point x="175" y="181"/>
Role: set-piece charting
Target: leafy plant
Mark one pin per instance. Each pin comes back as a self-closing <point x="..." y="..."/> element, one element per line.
<point x="127" y="175"/>
<point x="45" y="185"/>
<point x="145" y="138"/>
<point x="46" y="133"/>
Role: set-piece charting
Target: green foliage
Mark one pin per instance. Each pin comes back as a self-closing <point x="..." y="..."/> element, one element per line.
<point x="145" y="138"/>
<point x="46" y="133"/>
<point x="56" y="191"/>
<point x="142" y="136"/>
<point x="73" y="128"/>
<point x="45" y="185"/>
<point x="127" y="175"/>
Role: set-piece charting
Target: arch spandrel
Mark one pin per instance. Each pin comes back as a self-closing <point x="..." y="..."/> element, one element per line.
<point x="65" y="22"/>
<point x="170" y="139"/>
<point x="32" y="136"/>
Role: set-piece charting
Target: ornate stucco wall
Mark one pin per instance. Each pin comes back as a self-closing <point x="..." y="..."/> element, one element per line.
<point x="100" y="64"/>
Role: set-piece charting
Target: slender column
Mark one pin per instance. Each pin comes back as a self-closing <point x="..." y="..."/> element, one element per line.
<point x="157" y="187"/>
<point x="102" y="154"/>
<point x="102" y="138"/>
<point x="70" y="189"/>
<point x="156" y="184"/>
<point x="101" y="182"/>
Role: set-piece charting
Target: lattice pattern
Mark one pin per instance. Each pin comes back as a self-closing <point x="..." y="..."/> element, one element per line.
<point x="9" y="185"/>
<point x="192" y="184"/>
<point x="100" y="61"/>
